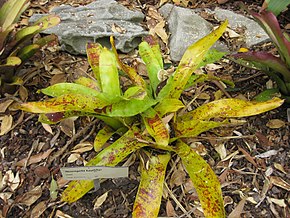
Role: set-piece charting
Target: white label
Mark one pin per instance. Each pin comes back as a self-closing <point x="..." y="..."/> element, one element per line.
<point x="93" y="172"/>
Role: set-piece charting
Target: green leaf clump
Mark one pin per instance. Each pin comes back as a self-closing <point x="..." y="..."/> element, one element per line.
<point x="15" y="46"/>
<point x="146" y="119"/>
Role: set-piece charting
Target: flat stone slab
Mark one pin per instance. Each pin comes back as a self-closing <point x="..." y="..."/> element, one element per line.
<point x="254" y="34"/>
<point x="186" y="27"/>
<point x="96" y="22"/>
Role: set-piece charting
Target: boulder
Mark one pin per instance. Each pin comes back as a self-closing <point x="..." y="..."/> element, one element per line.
<point x="96" y="22"/>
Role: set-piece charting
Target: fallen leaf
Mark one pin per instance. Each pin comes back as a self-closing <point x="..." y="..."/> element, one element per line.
<point x="279" y="202"/>
<point x="10" y="180"/>
<point x="38" y="210"/>
<point x="280" y="168"/>
<point x="73" y="157"/>
<point x="67" y="126"/>
<point x="34" y="159"/>
<point x="60" y="214"/>
<point x="6" y="124"/>
<point x="267" y="154"/>
<point x="222" y="1"/>
<point x="47" y="128"/>
<point x="170" y="212"/>
<point x="100" y="200"/>
<point x="221" y="150"/>
<point x="31" y="197"/>
<point x="262" y="139"/>
<point x="23" y="93"/>
<point x="82" y="147"/>
<point x="280" y="182"/>
<point x="4" y="105"/>
<point x="238" y="210"/>
<point x="178" y="176"/>
<point x="275" y="124"/>
<point x="5" y="196"/>
<point x="53" y="189"/>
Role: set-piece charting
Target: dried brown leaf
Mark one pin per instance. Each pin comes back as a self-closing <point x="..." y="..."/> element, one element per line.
<point x="31" y="197"/>
<point x="35" y="158"/>
<point x="67" y="126"/>
<point x="60" y="214"/>
<point x="248" y="157"/>
<point x="4" y="105"/>
<point x="73" y="157"/>
<point x="275" y="180"/>
<point x="47" y="127"/>
<point x="6" y="124"/>
<point x="39" y="209"/>
<point x="238" y="210"/>
<point x="275" y="124"/>
<point x="82" y="147"/>
<point x="23" y="93"/>
<point x="170" y="212"/>
<point x="100" y="200"/>
<point x="280" y="168"/>
<point x="178" y="176"/>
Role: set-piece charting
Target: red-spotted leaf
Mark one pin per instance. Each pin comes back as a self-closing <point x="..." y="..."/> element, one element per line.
<point x="93" y="53"/>
<point x="192" y="128"/>
<point x="102" y="137"/>
<point x="230" y="108"/>
<point x="204" y="180"/>
<point x="72" y="88"/>
<point x="110" y="156"/>
<point x="74" y="102"/>
<point x="152" y="64"/>
<point x="88" y="82"/>
<point x="191" y="59"/>
<point x="155" y="127"/>
<point x="148" y="199"/>
<point x="131" y="72"/>
<point x="168" y="105"/>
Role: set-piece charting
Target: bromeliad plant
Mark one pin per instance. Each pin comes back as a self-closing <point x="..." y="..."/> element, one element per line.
<point x="15" y="46"/>
<point x="276" y="67"/>
<point x="146" y="120"/>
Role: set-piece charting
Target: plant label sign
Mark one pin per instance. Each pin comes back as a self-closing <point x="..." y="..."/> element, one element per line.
<point x="93" y="172"/>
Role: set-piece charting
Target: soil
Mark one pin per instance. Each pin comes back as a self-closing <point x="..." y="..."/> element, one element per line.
<point x="262" y="180"/>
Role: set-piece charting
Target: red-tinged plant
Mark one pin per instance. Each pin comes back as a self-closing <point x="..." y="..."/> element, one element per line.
<point x="276" y="67"/>
<point x="143" y="119"/>
<point x="15" y="46"/>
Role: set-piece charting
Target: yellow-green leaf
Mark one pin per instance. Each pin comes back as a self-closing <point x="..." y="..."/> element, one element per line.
<point x="110" y="156"/>
<point x="93" y="53"/>
<point x="192" y="57"/>
<point x="131" y="72"/>
<point x="168" y="105"/>
<point x="67" y="102"/>
<point x="193" y="127"/>
<point x="204" y="180"/>
<point x="155" y="127"/>
<point x="109" y="74"/>
<point x="148" y="199"/>
<point x="102" y="137"/>
<point x="231" y="108"/>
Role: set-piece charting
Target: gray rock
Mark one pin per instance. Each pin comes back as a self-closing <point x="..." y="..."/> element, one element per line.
<point x="94" y="23"/>
<point x="185" y="27"/>
<point x="254" y="34"/>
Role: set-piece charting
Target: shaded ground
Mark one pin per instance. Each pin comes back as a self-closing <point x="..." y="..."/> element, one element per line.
<point x="262" y="180"/>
